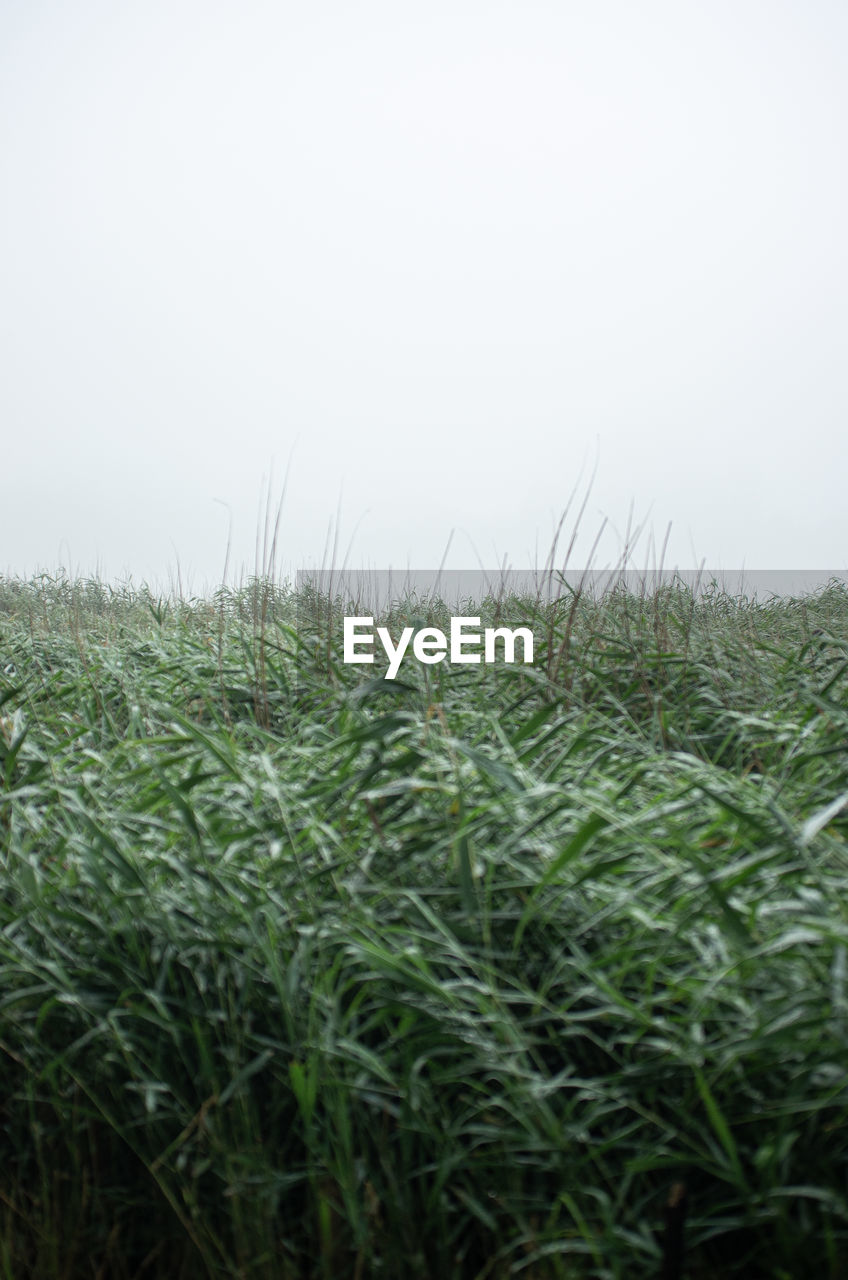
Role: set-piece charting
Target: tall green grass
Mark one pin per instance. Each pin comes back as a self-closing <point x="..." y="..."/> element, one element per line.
<point x="305" y="973"/>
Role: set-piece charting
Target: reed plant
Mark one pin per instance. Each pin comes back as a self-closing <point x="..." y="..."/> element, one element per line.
<point x="307" y="974"/>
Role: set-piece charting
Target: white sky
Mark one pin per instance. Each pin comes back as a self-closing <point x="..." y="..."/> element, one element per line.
<point x="436" y="259"/>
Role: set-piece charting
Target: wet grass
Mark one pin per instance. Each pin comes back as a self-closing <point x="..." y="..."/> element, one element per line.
<point x="305" y="973"/>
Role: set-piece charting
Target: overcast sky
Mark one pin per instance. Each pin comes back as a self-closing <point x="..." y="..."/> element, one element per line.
<point x="440" y="262"/>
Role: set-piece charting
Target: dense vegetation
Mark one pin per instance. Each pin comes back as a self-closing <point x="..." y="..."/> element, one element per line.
<point x="305" y="973"/>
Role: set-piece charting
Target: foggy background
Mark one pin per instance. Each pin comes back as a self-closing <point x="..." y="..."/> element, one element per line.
<point x="440" y="264"/>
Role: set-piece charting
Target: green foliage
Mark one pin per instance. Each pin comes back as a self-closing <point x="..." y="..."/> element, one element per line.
<point x="305" y="973"/>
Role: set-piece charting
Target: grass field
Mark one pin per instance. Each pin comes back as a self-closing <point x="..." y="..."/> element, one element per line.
<point x="309" y="974"/>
